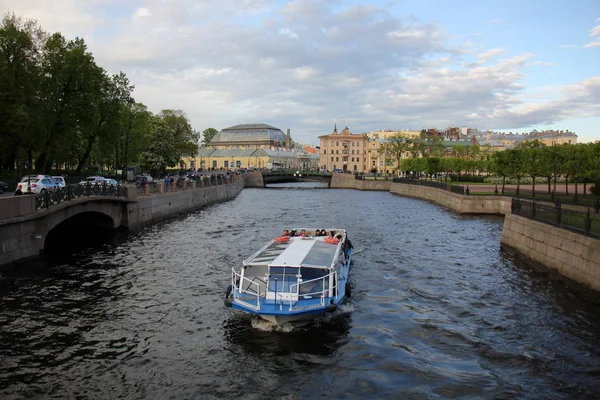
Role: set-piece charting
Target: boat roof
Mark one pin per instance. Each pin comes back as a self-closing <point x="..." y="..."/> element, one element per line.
<point x="297" y="252"/>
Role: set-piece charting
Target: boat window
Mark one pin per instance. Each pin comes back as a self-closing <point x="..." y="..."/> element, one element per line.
<point x="312" y="273"/>
<point x="282" y="277"/>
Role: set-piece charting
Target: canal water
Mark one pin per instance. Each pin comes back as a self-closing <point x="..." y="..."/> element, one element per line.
<point x="439" y="310"/>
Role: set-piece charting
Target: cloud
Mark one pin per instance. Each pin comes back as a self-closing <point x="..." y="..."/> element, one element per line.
<point x="303" y="64"/>
<point x="595" y="35"/>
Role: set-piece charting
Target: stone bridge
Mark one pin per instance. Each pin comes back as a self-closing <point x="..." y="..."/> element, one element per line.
<point x="27" y="227"/>
<point x="282" y="176"/>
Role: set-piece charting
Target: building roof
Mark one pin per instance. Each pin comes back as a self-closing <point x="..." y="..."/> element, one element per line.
<point x="249" y="133"/>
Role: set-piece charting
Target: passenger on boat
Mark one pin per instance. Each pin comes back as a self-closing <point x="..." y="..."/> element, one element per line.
<point x="303" y="233"/>
<point x="286" y="233"/>
<point x="293" y="233"/>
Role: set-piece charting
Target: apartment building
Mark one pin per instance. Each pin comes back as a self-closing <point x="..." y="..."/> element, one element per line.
<point x="343" y="151"/>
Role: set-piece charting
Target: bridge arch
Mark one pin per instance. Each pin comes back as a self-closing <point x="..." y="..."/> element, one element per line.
<point x="79" y="230"/>
<point x="295" y="176"/>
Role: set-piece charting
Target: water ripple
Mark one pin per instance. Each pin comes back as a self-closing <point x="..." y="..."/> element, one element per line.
<point x="439" y="310"/>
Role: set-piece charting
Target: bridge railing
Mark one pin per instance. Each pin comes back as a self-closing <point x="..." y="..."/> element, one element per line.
<point x="292" y="172"/>
<point x="49" y="198"/>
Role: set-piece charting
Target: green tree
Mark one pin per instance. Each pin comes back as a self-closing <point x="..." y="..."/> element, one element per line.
<point x="20" y="52"/>
<point x="532" y="160"/>
<point x="516" y="165"/>
<point x="161" y="150"/>
<point x="111" y="94"/>
<point x="501" y="166"/>
<point x="207" y="135"/>
<point x="396" y="146"/>
<point x="185" y="138"/>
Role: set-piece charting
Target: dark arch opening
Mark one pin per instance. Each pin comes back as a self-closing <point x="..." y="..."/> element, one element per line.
<point x="85" y="230"/>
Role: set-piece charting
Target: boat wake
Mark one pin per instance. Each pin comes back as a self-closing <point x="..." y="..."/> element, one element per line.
<point x="266" y="326"/>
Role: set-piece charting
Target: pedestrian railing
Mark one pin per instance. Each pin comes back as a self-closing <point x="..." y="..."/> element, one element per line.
<point x="433" y="184"/>
<point x="48" y="199"/>
<point x="161" y="187"/>
<point x="579" y="219"/>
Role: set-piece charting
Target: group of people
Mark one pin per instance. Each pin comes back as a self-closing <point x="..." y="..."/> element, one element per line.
<point x="304" y="233"/>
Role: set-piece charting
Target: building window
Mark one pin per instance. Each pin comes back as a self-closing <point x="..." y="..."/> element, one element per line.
<point x="324" y="151"/>
<point x="337" y="152"/>
<point x="337" y="143"/>
<point x="226" y="164"/>
<point x="215" y="164"/>
<point x="238" y="164"/>
<point x="337" y="159"/>
<point x="331" y="159"/>
<point x="352" y="159"/>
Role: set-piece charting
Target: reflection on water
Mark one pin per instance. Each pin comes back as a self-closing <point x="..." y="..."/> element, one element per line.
<point x="439" y="310"/>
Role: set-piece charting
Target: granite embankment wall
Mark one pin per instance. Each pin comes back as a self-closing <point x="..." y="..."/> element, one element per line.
<point x="347" y="181"/>
<point x="460" y="203"/>
<point x="154" y="208"/>
<point x="23" y="230"/>
<point x="253" y="179"/>
<point x="571" y="254"/>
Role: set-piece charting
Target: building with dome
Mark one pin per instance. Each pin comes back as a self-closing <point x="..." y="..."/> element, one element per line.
<point x="251" y="146"/>
<point x="251" y="136"/>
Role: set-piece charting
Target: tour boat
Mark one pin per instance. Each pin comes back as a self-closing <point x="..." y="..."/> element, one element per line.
<point x="293" y="277"/>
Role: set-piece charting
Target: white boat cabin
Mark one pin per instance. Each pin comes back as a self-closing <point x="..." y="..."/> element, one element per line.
<point x="296" y="267"/>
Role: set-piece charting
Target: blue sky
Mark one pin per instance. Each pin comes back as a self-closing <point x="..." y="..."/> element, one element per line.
<point x="500" y="65"/>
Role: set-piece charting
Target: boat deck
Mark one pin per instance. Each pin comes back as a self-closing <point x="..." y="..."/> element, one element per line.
<point x="298" y="251"/>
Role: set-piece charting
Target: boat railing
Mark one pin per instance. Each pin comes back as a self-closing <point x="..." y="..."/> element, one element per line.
<point x="250" y="296"/>
<point x="296" y="290"/>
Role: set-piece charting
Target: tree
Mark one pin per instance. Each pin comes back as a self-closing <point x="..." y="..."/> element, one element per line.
<point x="180" y="130"/>
<point x="20" y="53"/>
<point x="112" y="94"/>
<point x="532" y="160"/>
<point x="501" y="166"/>
<point x="207" y="135"/>
<point x="397" y="146"/>
<point x="161" y="151"/>
<point x="515" y="165"/>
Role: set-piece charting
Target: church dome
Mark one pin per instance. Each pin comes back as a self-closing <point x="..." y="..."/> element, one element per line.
<point x="249" y="135"/>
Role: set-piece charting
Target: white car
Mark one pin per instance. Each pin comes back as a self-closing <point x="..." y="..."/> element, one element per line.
<point x="60" y="181"/>
<point x="38" y="185"/>
<point x="106" y="181"/>
<point x="93" y="180"/>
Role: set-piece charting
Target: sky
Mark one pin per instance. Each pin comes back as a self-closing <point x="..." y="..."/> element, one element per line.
<point x="503" y="65"/>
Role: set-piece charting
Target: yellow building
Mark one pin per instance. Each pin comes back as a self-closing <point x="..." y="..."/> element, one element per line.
<point x="377" y="158"/>
<point x="251" y="146"/>
<point x="343" y="151"/>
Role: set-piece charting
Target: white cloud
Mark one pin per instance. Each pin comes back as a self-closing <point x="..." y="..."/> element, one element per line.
<point x="303" y="64"/>
<point x="595" y="35"/>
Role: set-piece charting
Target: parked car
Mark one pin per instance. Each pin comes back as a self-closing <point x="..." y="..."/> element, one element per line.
<point x="106" y="181"/>
<point x="3" y="187"/>
<point x="92" y="179"/>
<point x="60" y="180"/>
<point x="37" y="185"/>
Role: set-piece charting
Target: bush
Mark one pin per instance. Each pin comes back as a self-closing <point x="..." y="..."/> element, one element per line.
<point x="466" y="178"/>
